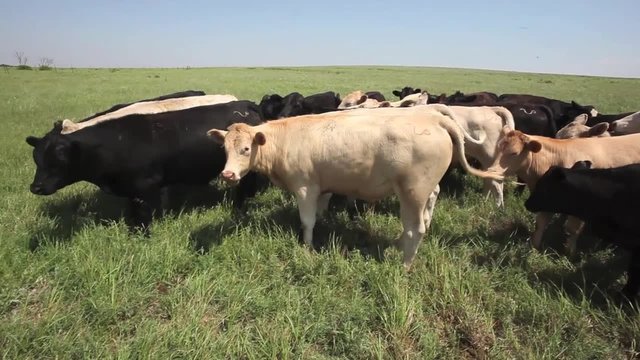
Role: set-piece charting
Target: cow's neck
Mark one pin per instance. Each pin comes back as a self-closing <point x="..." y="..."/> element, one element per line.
<point x="538" y="163"/>
<point x="271" y="153"/>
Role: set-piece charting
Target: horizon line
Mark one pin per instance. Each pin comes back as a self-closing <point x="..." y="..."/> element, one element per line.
<point x="188" y="67"/>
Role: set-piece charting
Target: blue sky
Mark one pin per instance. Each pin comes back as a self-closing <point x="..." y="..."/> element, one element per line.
<point x="562" y="36"/>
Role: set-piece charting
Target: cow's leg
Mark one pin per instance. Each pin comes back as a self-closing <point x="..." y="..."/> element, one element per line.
<point x="247" y="187"/>
<point x="572" y="228"/>
<point x="412" y="209"/>
<point x="431" y="204"/>
<point x="307" y="198"/>
<point x="323" y="203"/>
<point x="630" y="290"/>
<point x="542" y="220"/>
<point x="143" y="207"/>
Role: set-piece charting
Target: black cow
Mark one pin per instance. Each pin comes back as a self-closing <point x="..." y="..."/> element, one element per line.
<point x="277" y="107"/>
<point x="563" y="112"/>
<point x="292" y="105"/>
<point x="533" y="119"/>
<point x="607" y="199"/>
<point x="482" y="98"/>
<point x="137" y="156"/>
<point x="271" y="106"/>
<point x="175" y="95"/>
<point x="321" y="103"/>
<point x="376" y="95"/>
<point x="405" y="91"/>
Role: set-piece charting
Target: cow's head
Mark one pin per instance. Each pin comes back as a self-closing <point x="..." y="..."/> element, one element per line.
<point x="55" y="156"/>
<point x="406" y="91"/>
<point x="627" y="125"/>
<point x="292" y="105"/>
<point x="512" y="151"/>
<point x="353" y="99"/>
<point x="271" y="106"/>
<point x="578" y="128"/>
<point x="554" y="191"/>
<point x="437" y="99"/>
<point x="241" y="143"/>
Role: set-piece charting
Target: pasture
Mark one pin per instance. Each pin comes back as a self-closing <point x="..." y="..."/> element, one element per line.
<point x="214" y="283"/>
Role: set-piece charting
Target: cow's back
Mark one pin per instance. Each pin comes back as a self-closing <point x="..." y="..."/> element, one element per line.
<point x="366" y="152"/>
<point x="171" y="145"/>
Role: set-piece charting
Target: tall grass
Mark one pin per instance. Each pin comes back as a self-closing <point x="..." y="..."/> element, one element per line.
<point x="214" y="283"/>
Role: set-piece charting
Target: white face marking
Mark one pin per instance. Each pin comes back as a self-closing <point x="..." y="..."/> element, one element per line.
<point x="150" y="107"/>
<point x="594" y="112"/>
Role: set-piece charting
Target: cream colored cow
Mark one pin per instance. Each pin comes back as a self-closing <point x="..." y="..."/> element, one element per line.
<point x="484" y="123"/>
<point x="366" y="153"/>
<point x="149" y="107"/>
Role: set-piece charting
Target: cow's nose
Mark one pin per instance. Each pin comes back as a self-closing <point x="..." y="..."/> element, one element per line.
<point x="36" y="189"/>
<point x="227" y="175"/>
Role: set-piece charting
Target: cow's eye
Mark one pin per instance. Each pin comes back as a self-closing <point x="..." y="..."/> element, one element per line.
<point x="246" y="151"/>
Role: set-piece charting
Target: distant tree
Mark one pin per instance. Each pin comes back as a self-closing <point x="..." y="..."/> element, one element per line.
<point x="45" y="63"/>
<point x="22" y="61"/>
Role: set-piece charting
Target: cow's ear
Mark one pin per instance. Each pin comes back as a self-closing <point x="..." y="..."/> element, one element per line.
<point x="598" y="129"/>
<point x="32" y="140"/>
<point x="259" y="139"/>
<point x="396" y="93"/>
<point x="417" y="91"/>
<point x="265" y="98"/>
<point x="534" y="146"/>
<point x="583" y="164"/>
<point x="217" y="135"/>
<point x="362" y="99"/>
<point x="581" y="119"/>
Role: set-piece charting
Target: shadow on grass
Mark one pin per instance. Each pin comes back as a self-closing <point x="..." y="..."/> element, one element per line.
<point x="210" y="235"/>
<point x="591" y="278"/>
<point x="349" y="227"/>
<point x="71" y="214"/>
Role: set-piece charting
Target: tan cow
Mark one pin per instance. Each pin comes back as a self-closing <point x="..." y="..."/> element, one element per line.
<point x="529" y="157"/>
<point x="149" y="107"/>
<point x="352" y="100"/>
<point x="484" y="123"/>
<point x="366" y="153"/>
<point x="578" y="128"/>
<point x="369" y="104"/>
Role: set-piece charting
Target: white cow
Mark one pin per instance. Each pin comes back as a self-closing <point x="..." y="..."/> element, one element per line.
<point x="365" y="153"/>
<point x="627" y="125"/>
<point x="484" y="123"/>
<point x="149" y="107"/>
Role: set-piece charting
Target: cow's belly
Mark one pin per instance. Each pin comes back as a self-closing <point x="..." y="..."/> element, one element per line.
<point x="370" y="189"/>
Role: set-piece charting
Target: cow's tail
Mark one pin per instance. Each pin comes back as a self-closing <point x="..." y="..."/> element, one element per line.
<point x="506" y="115"/>
<point x="446" y="111"/>
<point x="457" y="138"/>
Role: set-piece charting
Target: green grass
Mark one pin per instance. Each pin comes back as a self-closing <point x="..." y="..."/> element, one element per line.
<point x="211" y="283"/>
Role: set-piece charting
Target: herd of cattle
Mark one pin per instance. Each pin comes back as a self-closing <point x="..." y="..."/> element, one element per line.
<point x="574" y="160"/>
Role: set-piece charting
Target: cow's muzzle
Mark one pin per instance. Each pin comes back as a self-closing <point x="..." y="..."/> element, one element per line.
<point x="230" y="176"/>
<point x="40" y="189"/>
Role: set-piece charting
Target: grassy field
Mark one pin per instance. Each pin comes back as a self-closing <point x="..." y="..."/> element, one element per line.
<point x="211" y="283"/>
